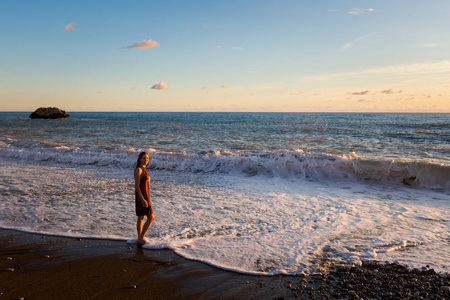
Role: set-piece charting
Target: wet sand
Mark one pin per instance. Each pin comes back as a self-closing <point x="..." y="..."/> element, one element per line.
<point x="35" y="266"/>
<point x="51" y="267"/>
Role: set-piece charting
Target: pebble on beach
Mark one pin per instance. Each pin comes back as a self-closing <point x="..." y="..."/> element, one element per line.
<point x="374" y="280"/>
<point x="133" y="286"/>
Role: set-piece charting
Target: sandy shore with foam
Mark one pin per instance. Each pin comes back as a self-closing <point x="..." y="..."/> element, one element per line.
<point x="51" y="267"/>
<point x="35" y="266"/>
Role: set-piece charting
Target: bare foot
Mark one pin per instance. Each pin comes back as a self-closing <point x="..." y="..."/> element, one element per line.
<point x="141" y="241"/>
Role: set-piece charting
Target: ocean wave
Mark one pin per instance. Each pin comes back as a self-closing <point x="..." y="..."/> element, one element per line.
<point x="282" y="163"/>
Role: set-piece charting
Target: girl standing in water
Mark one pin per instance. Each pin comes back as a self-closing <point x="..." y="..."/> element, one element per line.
<point x="143" y="197"/>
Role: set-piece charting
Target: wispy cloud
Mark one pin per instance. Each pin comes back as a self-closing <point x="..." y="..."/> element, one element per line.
<point x="358" y="11"/>
<point x="355" y="41"/>
<point x="369" y="100"/>
<point x="412" y="98"/>
<point x="442" y="67"/>
<point x="225" y="86"/>
<point x="204" y="87"/>
<point x="70" y="26"/>
<point x="391" y="91"/>
<point x="160" y="86"/>
<point x="144" y="45"/>
<point x="419" y="68"/>
<point x="426" y="45"/>
<point x="298" y="93"/>
<point x="363" y="93"/>
<point x="367" y="92"/>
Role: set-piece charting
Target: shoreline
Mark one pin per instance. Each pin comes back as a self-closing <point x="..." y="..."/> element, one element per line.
<point x="37" y="266"/>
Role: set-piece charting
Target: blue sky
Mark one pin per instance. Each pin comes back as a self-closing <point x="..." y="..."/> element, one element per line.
<point x="387" y="56"/>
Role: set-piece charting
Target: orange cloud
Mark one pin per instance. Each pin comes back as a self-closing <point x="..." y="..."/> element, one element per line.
<point x="70" y="26"/>
<point x="364" y="93"/>
<point x="368" y="100"/>
<point x="225" y="86"/>
<point x="144" y="45"/>
<point x="391" y="91"/>
<point x="161" y="86"/>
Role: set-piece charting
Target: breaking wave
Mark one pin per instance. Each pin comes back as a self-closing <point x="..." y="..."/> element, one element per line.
<point x="281" y="163"/>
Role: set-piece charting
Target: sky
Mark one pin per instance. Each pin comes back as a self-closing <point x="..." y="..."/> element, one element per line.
<point x="227" y="56"/>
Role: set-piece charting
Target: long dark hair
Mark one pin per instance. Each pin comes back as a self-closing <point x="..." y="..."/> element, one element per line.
<point x="138" y="163"/>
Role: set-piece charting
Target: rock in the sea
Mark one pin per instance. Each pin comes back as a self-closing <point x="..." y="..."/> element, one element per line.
<point x="49" y="113"/>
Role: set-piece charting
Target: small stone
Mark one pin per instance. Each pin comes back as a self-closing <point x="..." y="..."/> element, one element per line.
<point x="248" y="282"/>
<point x="388" y="294"/>
<point x="133" y="286"/>
<point x="79" y="240"/>
<point x="9" y="258"/>
<point x="46" y="256"/>
<point x="10" y="269"/>
<point x="352" y="293"/>
<point x="445" y="288"/>
<point x="124" y="270"/>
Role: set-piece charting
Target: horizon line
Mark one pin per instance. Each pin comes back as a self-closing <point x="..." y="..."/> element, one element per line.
<point x="294" y="112"/>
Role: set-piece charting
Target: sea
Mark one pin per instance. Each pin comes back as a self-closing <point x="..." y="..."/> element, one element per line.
<point x="256" y="193"/>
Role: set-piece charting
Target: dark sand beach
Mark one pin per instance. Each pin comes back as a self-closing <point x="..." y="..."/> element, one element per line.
<point x="35" y="266"/>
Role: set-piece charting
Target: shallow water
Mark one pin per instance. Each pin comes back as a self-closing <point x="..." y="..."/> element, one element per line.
<point x="254" y="193"/>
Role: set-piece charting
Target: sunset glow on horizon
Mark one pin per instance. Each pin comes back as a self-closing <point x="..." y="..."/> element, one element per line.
<point x="226" y="56"/>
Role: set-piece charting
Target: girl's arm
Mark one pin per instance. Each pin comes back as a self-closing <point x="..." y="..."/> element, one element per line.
<point x="149" y="191"/>
<point x="137" y="180"/>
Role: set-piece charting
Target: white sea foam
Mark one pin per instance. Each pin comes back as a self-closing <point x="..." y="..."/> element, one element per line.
<point x="254" y="225"/>
<point x="282" y="163"/>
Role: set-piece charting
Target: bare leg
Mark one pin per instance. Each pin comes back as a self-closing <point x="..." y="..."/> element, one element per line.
<point x="139" y="225"/>
<point x="145" y="228"/>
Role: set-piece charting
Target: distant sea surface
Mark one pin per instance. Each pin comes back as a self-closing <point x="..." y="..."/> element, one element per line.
<point x="258" y="193"/>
